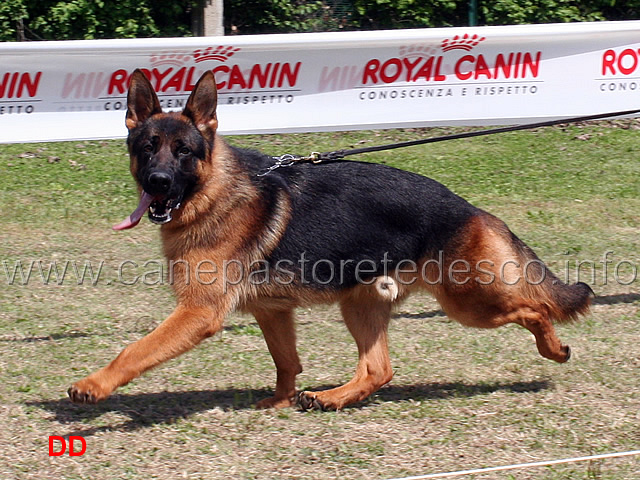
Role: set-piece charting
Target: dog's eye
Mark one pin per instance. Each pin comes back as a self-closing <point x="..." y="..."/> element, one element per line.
<point x="184" y="151"/>
<point x="148" y="148"/>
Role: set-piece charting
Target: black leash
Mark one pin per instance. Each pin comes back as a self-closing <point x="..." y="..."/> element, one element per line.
<point x="316" y="157"/>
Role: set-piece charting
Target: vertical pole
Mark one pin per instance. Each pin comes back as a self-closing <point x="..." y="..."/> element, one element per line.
<point x="20" y="30"/>
<point x="213" y="18"/>
<point x="473" y="13"/>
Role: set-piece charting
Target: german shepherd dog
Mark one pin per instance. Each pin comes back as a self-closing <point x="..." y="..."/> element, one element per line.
<point x="241" y="236"/>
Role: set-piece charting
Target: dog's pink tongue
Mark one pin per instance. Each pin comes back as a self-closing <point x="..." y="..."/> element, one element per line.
<point x="133" y="219"/>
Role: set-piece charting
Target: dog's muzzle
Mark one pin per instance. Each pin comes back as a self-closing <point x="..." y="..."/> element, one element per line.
<point x="158" y="206"/>
<point x="159" y="184"/>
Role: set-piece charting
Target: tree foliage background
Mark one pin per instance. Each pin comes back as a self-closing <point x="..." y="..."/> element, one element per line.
<point x="87" y="19"/>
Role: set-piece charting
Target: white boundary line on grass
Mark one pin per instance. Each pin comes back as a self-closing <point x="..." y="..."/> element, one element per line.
<point x="521" y="465"/>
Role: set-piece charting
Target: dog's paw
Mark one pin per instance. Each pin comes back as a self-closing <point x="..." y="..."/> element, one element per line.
<point x="87" y="391"/>
<point x="309" y="401"/>
<point x="274" y="402"/>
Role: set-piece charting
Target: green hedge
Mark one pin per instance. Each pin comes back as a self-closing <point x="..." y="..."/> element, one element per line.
<point x="86" y="19"/>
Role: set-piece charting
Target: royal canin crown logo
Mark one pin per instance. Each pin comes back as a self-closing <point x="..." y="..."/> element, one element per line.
<point x="417" y="50"/>
<point x="178" y="59"/>
<point x="465" y="42"/>
<point x="169" y="59"/>
<point x="220" y="53"/>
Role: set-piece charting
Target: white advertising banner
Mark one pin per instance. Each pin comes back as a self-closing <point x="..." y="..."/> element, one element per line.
<point x="77" y="90"/>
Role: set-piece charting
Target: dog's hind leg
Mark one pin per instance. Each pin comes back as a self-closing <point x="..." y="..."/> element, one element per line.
<point x="278" y="327"/>
<point x="181" y="331"/>
<point x="488" y="312"/>
<point x="367" y="319"/>
<point x="548" y="343"/>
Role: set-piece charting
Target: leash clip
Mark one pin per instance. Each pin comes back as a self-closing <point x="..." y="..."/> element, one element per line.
<point x="315" y="157"/>
<point x="281" y="161"/>
<point x="287" y="159"/>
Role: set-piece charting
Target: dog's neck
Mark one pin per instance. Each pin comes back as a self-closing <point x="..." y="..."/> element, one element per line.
<point x="211" y="202"/>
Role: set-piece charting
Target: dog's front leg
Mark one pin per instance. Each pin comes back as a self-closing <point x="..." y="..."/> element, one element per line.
<point x="278" y="328"/>
<point x="181" y="331"/>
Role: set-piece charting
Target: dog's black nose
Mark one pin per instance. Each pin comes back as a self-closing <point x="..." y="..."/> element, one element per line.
<point x="159" y="182"/>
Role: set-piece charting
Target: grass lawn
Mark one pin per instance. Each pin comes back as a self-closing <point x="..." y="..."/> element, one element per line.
<point x="460" y="398"/>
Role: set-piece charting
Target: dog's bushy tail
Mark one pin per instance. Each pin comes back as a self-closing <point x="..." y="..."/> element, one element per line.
<point x="564" y="302"/>
<point x="569" y="301"/>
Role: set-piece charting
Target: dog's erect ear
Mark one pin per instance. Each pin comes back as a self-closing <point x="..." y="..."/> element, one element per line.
<point x="201" y="106"/>
<point x="142" y="101"/>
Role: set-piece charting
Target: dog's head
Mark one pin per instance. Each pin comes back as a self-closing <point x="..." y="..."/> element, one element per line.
<point x="166" y="148"/>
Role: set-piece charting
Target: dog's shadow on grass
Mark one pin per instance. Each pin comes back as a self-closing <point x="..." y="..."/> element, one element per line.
<point x="148" y="409"/>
